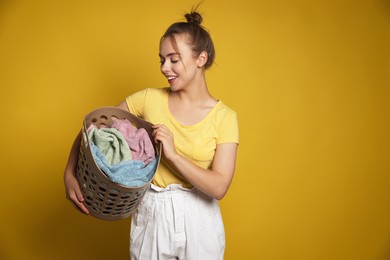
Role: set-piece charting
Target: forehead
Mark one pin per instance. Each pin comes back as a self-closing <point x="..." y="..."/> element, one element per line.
<point x="178" y="44"/>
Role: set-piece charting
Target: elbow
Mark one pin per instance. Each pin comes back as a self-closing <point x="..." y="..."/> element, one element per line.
<point x="216" y="192"/>
<point x="220" y="193"/>
<point x="220" y="197"/>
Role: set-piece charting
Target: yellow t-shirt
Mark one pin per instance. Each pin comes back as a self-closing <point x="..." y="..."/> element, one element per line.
<point x="196" y="142"/>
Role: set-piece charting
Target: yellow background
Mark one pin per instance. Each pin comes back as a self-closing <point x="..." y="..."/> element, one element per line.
<point x="310" y="83"/>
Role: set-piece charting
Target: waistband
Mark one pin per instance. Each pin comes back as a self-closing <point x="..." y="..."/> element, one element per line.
<point x="170" y="188"/>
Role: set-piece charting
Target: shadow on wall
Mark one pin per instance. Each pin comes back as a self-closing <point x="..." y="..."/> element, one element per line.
<point x="65" y="233"/>
<point x="387" y="250"/>
<point x="56" y="230"/>
<point x="386" y="4"/>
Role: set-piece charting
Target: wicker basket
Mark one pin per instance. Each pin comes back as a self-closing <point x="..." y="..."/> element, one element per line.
<point x="105" y="199"/>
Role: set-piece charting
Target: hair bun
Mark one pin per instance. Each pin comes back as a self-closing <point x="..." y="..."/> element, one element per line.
<point x="194" y="17"/>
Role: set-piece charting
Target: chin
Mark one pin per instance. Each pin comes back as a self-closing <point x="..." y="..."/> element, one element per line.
<point x="174" y="88"/>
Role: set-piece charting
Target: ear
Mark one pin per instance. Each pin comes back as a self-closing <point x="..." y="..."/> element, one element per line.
<point x="202" y="59"/>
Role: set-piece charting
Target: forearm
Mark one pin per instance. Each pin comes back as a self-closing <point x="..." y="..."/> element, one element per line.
<point x="72" y="187"/>
<point x="71" y="165"/>
<point x="209" y="181"/>
<point x="214" y="181"/>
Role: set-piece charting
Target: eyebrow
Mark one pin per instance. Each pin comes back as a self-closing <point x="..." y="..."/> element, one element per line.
<point x="169" y="54"/>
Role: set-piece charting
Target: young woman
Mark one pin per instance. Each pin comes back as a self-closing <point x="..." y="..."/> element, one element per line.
<point x="179" y="217"/>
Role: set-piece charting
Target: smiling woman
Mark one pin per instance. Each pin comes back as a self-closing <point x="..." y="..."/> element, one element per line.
<point x="194" y="174"/>
<point x="308" y="80"/>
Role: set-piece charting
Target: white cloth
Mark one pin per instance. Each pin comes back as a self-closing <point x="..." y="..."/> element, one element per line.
<point x="177" y="223"/>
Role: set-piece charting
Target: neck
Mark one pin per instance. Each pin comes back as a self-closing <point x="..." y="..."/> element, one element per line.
<point x="195" y="93"/>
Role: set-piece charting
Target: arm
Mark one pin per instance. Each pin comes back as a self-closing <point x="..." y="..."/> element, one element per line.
<point x="72" y="187"/>
<point x="215" y="181"/>
<point x="123" y="105"/>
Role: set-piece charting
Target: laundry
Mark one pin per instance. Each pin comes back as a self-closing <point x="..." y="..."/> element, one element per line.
<point x="123" y="152"/>
<point x="131" y="173"/>
<point x="140" y="145"/>
<point x="111" y="143"/>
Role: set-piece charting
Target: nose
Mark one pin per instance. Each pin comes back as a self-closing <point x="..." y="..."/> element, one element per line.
<point x="164" y="67"/>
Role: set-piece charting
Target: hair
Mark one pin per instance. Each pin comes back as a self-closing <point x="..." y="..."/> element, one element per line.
<point x="199" y="38"/>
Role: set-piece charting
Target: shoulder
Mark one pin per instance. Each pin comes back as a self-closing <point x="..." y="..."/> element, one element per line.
<point x="227" y="124"/>
<point x="157" y="91"/>
<point x="147" y="93"/>
<point x="225" y="111"/>
<point x="224" y="116"/>
<point x="153" y="93"/>
<point x="143" y="101"/>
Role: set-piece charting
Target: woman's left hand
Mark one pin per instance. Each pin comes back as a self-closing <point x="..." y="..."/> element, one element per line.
<point x="164" y="135"/>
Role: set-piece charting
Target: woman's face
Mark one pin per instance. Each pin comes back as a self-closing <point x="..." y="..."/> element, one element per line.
<point x="178" y="63"/>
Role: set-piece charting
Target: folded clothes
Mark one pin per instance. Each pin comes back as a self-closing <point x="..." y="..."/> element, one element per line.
<point x="138" y="140"/>
<point x="111" y="143"/>
<point x="127" y="173"/>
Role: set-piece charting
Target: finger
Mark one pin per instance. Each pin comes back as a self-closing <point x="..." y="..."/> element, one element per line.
<point x="79" y="195"/>
<point x="160" y="136"/>
<point x="80" y="202"/>
<point x="155" y="127"/>
<point x="83" y="208"/>
<point x="80" y="207"/>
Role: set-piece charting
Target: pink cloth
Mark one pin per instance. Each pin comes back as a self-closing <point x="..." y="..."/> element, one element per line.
<point x="140" y="145"/>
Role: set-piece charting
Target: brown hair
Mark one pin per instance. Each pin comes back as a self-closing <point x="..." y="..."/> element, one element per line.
<point x="200" y="39"/>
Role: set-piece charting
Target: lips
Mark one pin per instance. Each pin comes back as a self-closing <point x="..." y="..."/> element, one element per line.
<point x="171" y="79"/>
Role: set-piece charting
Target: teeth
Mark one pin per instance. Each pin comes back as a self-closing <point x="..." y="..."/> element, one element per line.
<point x="170" y="78"/>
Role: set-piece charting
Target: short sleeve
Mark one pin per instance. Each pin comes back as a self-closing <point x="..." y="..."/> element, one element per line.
<point x="228" y="131"/>
<point x="136" y="102"/>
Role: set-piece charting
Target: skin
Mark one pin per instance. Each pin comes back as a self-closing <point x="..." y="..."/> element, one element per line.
<point x="72" y="187"/>
<point x="189" y="102"/>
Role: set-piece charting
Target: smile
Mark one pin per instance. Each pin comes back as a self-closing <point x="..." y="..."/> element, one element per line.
<point x="171" y="78"/>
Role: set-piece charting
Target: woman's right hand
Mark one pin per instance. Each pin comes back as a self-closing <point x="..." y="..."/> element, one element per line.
<point x="73" y="193"/>
<point x="72" y="187"/>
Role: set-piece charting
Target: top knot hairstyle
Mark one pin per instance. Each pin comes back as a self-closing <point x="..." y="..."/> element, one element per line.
<point x="194" y="17"/>
<point x="199" y="38"/>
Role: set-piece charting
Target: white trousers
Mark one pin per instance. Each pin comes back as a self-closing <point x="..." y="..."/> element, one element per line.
<point x="177" y="223"/>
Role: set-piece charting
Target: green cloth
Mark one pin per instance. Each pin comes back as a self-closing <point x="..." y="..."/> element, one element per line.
<point x="111" y="143"/>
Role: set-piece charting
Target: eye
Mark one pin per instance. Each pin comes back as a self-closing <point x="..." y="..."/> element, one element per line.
<point x="174" y="61"/>
<point x="162" y="61"/>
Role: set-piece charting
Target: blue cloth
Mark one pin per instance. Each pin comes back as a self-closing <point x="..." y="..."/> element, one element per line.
<point x="132" y="173"/>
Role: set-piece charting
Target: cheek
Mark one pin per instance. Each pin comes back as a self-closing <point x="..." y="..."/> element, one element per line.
<point x="178" y="67"/>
